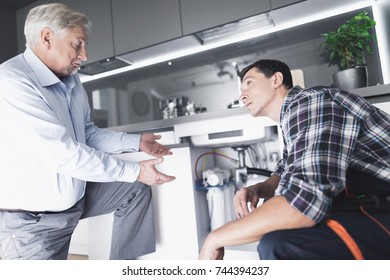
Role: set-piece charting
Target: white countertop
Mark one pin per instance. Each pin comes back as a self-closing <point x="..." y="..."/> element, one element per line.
<point x="168" y="124"/>
<point x="378" y="93"/>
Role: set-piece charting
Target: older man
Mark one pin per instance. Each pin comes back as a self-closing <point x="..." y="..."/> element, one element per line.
<point x="56" y="166"/>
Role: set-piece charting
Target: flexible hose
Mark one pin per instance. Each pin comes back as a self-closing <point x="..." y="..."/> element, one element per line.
<point x="259" y="171"/>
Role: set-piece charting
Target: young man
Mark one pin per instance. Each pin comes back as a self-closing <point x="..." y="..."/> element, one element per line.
<point x="328" y="197"/>
<point x="56" y="166"/>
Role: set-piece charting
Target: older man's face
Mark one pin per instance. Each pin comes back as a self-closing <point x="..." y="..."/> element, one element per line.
<point x="68" y="52"/>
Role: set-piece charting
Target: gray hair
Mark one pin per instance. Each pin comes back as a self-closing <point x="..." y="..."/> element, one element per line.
<point x="57" y="17"/>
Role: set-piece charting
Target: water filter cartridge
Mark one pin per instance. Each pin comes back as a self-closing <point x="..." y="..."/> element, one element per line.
<point x="216" y="205"/>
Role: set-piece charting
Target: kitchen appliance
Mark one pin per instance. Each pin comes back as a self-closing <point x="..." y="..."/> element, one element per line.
<point x="220" y="205"/>
<point x="173" y="107"/>
<point x="220" y="194"/>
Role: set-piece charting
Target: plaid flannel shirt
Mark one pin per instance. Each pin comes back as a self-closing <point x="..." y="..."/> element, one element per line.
<point x="326" y="131"/>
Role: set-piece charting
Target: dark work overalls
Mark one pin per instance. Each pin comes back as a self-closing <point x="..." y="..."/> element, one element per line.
<point x="358" y="227"/>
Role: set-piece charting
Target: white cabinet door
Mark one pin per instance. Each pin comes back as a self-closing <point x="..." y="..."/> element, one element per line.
<point x="174" y="213"/>
<point x="79" y="241"/>
<point x="174" y="210"/>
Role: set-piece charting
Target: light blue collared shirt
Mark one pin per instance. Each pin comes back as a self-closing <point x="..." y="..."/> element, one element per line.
<point x="48" y="145"/>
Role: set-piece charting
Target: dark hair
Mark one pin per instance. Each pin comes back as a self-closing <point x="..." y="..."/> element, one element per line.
<point x="269" y="67"/>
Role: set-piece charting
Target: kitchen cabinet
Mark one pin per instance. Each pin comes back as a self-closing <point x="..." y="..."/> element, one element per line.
<point x="176" y="205"/>
<point x="138" y="24"/>
<point x="276" y="4"/>
<point x="79" y="241"/>
<point x="8" y="48"/>
<point x="203" y="14"/>
<point x="123" y="26"/>
<point x="21" y="15"/>
<point x="100" y="40"/>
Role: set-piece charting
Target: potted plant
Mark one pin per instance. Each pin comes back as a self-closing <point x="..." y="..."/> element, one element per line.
<point x="346" y="47"/>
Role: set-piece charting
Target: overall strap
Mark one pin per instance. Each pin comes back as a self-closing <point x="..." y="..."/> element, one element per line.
<point x="347" y="239"/>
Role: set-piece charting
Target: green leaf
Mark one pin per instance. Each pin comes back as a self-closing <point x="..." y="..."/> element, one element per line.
<point x="348" y="45"/>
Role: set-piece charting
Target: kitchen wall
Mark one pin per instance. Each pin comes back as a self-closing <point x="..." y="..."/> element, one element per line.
<point x="205" y="88"/>
<point x="122" y="106"/>
<point x="7" y="33"/>
<point x="199" y="78"/>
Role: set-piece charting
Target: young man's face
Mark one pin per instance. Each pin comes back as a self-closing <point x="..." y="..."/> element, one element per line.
<point x="67" y="52"/>
<point x="257" y="92"/>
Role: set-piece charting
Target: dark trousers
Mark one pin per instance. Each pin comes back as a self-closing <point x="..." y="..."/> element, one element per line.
<point x="322" y="243"/>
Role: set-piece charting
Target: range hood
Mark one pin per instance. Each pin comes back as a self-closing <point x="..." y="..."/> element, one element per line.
<point x="191" y="44"/>
<point x="229" y="31"/>
<point x="104" y="65"/>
